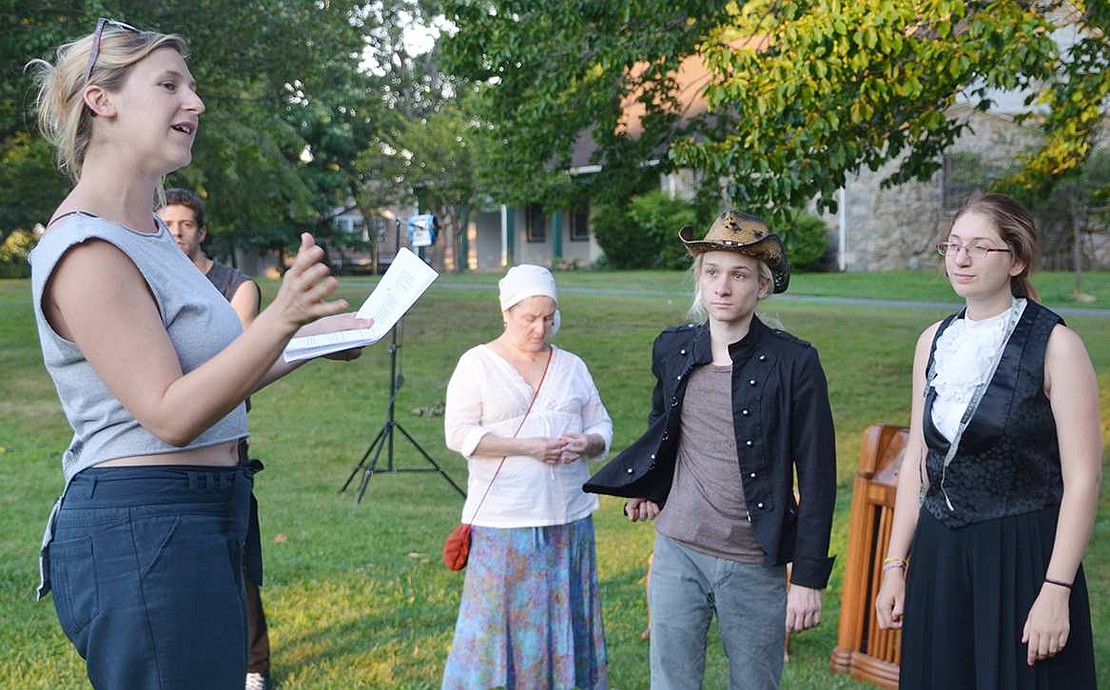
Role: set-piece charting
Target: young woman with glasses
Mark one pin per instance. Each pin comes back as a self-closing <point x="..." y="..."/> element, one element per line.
<point x="144" y="549"/>
<point x="998" y="493"/>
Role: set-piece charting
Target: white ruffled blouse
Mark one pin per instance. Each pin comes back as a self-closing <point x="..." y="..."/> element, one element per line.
<point x="963" y="359"/>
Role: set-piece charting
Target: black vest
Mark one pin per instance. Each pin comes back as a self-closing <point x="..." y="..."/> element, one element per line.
<point x="1008" y="461"/>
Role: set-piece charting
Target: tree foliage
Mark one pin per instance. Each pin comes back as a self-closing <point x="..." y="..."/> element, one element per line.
<point x="29" y="183"/>
<point x="1076" y="97"/>
<point x="560" y="69"/>
<point x="290" y="102"/>
<point x="801" y="93"/>
<point x="427" y="161"/>
<point x="1071" y="217"/>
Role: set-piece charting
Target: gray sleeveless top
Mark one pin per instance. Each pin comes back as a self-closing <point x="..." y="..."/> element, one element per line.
<point x="200" y="323"/>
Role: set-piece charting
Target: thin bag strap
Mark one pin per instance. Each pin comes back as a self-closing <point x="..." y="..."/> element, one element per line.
<point x="535" y="394"/>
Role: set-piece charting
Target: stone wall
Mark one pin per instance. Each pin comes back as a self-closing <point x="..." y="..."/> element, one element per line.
<point x="891" y="228"/>
<point x="897" y="228"/>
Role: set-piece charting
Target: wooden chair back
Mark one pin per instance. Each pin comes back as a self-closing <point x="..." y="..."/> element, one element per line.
<point x="863" y="650"/>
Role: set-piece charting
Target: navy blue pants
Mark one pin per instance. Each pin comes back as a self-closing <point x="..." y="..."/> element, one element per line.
<point x="147" y="572"/>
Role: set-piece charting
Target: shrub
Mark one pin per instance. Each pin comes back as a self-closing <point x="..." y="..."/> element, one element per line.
<point x="643" y="233"/>
<point x="660" y="217"/>
<point x="806" y="240"/>
<point x="618" y="237"/>
<point x="13" y="254"/>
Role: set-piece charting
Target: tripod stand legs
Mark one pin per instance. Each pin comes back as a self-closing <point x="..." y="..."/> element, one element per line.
<point x="362" y="460"/>
<point x="386" y="436"/>
<point x="427" y="457"/>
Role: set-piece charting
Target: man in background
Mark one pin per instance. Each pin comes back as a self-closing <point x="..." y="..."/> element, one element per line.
<point x="183" y="214"/>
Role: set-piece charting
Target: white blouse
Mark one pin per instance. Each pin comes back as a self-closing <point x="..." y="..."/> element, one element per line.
<point x="487" y="395"/>
<point x="963" y="360"/>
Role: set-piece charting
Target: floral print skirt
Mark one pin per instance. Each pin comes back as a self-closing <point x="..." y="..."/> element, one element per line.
<point x="530" y="615"/>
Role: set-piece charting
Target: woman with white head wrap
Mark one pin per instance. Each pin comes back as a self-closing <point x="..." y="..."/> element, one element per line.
<point x="530" y="606"/>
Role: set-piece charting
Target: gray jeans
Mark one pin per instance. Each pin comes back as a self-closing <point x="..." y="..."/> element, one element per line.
<point x="685" y="588"/>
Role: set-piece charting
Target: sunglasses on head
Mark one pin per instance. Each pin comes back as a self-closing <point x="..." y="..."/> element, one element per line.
<point x="98" y="35"/>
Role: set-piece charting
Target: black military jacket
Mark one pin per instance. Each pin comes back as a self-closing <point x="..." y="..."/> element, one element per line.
<point x="782" y="423"/>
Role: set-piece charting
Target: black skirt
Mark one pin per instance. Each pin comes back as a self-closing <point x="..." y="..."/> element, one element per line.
<point x="968" y="593"/>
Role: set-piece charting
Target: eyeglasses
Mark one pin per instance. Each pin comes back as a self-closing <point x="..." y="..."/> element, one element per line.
<point x="974" y="251"/>
<point x="98" y="35"/>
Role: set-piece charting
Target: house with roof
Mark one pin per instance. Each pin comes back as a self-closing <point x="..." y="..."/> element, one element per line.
<point x="501" y="235"/>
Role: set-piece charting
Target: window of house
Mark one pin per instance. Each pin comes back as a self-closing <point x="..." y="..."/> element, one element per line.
<point x="580" y="224"/>
<point x="535" y="223"/>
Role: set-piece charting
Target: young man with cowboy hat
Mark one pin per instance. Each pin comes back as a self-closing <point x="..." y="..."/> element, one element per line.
<point x="738" y="407"/>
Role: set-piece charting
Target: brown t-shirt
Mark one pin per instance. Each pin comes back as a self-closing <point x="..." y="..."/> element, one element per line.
<point x="706" y="510"/>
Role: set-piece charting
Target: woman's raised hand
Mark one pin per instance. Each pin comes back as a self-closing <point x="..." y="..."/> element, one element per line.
<point x="336" y="322"/>
<point x="306" y="285"/>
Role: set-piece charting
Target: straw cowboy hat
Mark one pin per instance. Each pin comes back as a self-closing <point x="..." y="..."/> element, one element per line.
<point x="738" y="232"/>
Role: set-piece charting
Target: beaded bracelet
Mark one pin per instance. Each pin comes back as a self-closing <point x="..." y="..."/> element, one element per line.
<point x="893" y="562"/>
<point x="1058" y="583"/>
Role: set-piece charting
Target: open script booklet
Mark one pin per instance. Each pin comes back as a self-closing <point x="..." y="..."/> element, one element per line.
<point x="407" y="278"/>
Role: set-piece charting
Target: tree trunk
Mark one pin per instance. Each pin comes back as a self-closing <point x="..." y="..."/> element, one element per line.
<point x="461" y="247"/>
<point x="1076" y="250"/>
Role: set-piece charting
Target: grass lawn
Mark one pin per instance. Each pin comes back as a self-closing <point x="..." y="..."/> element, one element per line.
<point x="1056" y="287"/>
<point x="356" y="595"/>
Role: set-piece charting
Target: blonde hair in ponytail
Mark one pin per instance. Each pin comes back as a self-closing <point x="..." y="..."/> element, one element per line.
<point x="63" y="119"/>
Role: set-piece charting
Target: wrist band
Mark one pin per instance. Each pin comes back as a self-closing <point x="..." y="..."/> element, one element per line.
<point x="892" y="563"/>
<point x="1065" y="585"/>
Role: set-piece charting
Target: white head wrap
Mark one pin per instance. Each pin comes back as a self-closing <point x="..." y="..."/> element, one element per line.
<point x="528" y="280"/>
<point x="524" y="281"/>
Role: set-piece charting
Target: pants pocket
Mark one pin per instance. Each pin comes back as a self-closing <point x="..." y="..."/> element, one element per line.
<point x="191" y="573"/>
<point x="73" y="575"/>
<point x="169" y="547"/>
